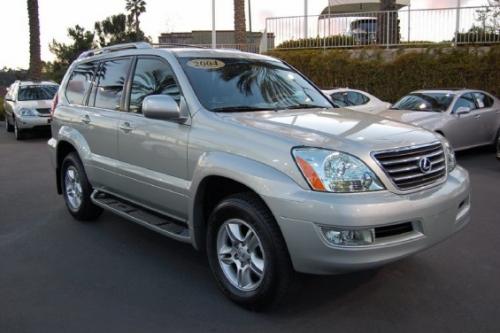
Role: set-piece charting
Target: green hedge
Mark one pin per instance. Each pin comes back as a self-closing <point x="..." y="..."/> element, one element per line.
<point x="391" y="79"/>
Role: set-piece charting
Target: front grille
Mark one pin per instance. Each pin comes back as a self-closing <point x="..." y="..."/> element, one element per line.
<point x="403" y="166"/>
<point x="43" y="111"/>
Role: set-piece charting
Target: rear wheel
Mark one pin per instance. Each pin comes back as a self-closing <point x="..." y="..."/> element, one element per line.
<point x="77" y="190"/>
<point x="247" y="254"/>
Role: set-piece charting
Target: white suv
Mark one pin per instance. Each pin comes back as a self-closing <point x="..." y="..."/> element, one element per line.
<point x="27" y="106"/>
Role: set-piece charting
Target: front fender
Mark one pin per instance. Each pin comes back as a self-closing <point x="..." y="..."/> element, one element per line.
<point x="263" y="179"/>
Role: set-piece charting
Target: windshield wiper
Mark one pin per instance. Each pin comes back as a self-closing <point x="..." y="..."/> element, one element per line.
<point x="240" y="108"/>
<point x="304" y="106"/>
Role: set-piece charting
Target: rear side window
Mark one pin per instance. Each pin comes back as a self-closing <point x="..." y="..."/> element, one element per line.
<point x="152" y="77"/>
<point x="355" y="98"/>
<point x="483" y="100"/>
<point x="79" y="83"/>
<point x="111" y="77"/>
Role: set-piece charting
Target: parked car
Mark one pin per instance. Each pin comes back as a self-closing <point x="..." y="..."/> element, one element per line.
<point x="242" y="157"/>
<point x="467" y="118"/>
<point x="356" y="100"/>
<point x="27" y="106"/>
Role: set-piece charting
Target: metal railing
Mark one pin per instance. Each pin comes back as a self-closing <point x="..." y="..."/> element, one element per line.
<point x="242" y="47"/>
<point x="452" y="26"/>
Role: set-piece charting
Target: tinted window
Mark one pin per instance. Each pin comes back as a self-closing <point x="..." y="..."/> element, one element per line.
<point x="243" y="84"/>
<point x="35" y="93"/>
<point x="110" y="78"/>
<point x="355" y="98"/>
<point x="339" y="99"/>
<point x="425" y="102"/>
<point x="466" y="101"/>
<point x="79" y="83"/>
<point x="483" y="100"/>
<point x="152" y="77"/>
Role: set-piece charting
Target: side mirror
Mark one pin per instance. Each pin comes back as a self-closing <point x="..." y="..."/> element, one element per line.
<point x="162" y="107"/>
<point x="462" y="110"/>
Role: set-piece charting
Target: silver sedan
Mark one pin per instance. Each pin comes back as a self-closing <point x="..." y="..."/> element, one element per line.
<point x="467" y="118"/>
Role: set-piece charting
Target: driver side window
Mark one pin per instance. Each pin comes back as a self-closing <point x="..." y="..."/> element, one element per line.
<point x="467" y="101"/>
<point x="152" y="77"/>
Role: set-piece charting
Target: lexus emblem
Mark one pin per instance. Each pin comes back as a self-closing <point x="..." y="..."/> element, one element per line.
<point x="425" y="164"/>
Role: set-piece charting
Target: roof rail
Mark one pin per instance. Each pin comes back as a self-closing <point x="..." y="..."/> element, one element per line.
<point x="166" y="45"/>
<point x="115" y="48"/>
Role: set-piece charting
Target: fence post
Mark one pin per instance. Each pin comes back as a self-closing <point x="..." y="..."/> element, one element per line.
<point x="305" y="19"/>
<point x="457" y="26"/>
<point x="409" y="22"/>
<point x="388" y="28"/>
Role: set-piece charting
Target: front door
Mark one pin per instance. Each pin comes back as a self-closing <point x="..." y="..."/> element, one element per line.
<point x="153" y="153"/>
<point x="465" y="129"/>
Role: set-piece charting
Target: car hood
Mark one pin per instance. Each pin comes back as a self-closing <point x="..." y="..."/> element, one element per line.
<point x="334" y="128"/>
<point x="419" y="118"/>
<point x="40" y="104"/>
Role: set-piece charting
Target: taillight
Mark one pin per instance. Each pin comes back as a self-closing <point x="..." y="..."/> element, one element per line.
<point x="55" y="100"/>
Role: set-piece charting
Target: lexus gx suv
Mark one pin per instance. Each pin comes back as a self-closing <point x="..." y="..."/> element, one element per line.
<point x="243" y="157"/>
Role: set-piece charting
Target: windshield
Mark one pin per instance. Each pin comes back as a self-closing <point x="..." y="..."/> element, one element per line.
<point x="232" y="85"/>
<point x="34" y="93"/>
<point x="437" y="102"/>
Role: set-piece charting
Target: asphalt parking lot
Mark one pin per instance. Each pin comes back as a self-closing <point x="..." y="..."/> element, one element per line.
<point x="59" y="275"/>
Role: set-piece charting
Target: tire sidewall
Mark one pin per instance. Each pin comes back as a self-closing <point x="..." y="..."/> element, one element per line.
<point x="237" y="208"/>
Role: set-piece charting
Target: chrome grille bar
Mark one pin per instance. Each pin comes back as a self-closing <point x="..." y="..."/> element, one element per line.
<point x="403" y="165"/>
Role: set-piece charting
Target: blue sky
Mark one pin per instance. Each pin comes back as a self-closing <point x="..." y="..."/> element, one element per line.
<point x="162" y="16"/>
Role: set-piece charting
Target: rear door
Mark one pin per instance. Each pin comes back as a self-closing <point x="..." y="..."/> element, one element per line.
<point x="100" y="118"/>
<point x="153" y="153"/>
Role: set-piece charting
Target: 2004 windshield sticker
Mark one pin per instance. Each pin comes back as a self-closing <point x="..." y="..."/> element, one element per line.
<point x="206" y="63"/>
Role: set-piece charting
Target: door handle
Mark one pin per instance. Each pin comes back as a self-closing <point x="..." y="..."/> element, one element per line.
<point x="86" y="119"/>
<point x="126" y="127"/>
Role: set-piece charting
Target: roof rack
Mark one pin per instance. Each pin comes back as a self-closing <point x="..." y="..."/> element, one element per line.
<point x="115" y="48"/>
<point x="167" y="45"/>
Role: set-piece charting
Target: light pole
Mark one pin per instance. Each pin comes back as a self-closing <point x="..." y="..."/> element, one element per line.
<point x="457" y="26"/>
<point x="214" y="33"/>
<point x="250" y="15"/>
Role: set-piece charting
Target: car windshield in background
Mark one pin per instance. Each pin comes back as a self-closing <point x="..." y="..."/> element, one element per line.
<point x="35" y="93"/>
<point x="437" y="102"/>
<point x="233" y="84"/>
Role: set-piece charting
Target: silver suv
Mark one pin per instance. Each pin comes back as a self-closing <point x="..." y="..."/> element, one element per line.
<point x="243" y="157"/>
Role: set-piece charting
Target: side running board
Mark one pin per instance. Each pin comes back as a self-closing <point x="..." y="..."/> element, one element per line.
<point x="157" y="222"/>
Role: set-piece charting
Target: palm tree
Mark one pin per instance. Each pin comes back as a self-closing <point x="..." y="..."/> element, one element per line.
<point x="34" y="26"/>
<point x="136" y="8"/>
<point x="240" y="36"/>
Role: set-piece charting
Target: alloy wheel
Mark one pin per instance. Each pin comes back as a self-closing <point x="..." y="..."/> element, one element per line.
<point x="240" y="254"/>
<point x="73" y="187"/>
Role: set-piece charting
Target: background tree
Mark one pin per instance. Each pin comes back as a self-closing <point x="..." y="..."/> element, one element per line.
<point x="117" y="29"/>
<point x="81" y="40"/>
<point x="240" y="35"/>
<point x="35" y="69"/>
<point x="135" y="9"/>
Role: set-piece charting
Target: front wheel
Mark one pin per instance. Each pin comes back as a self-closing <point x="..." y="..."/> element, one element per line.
<point x="77" y="190"/>
<point x="8" y="126"/>
<point x="247" y="253"/>
<point x="20" y="134"/>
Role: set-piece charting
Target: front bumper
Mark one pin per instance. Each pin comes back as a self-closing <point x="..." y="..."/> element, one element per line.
<point x="435" y="214"/>
<point x="33" y="122"/>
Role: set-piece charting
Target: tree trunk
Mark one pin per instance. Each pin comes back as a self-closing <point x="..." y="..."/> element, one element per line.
<point x="240" y="37"/>
<point x="137" y="25"/>
<point x="35" y="69"/>
<point x="388" y="23"/>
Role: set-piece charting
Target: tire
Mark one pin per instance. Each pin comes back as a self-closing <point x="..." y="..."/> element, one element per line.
<point x="77" y="189"/>
<point x="8" y="126"/>
<point x="20" y="134"/>
<point x="497" y="144"/>
<point x="246" y="214"/>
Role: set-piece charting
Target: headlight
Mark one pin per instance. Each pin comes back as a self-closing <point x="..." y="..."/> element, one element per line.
<point x="28" y="112"/>
<point x="334" y="171"/>
<point x="451" y="161"/>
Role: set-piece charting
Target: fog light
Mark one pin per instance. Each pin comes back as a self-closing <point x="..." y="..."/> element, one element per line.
<point x="349" y="237"/>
